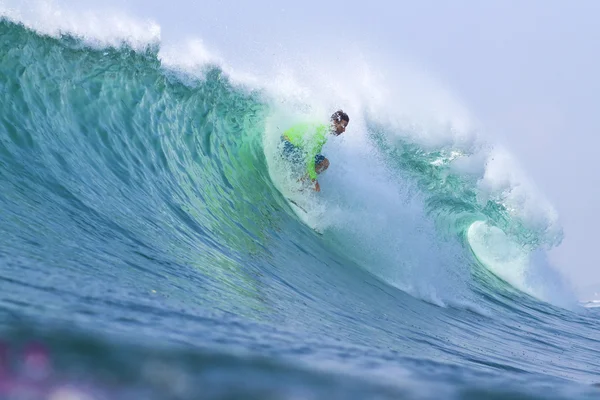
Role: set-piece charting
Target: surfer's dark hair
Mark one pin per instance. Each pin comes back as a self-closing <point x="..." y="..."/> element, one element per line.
<point x="340" y="116"/>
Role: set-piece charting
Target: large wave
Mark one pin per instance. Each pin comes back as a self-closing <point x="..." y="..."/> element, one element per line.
<point x="410" y="188"/>
<point x="143" y="194"/>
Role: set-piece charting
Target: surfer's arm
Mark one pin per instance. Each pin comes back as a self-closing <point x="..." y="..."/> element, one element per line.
<point x="310" y="167"/>
<point x="311" y="170"/>
<point x="313" y="150"/>
<point x="312" y="143"/>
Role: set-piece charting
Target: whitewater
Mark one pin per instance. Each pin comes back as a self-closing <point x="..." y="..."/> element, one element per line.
<point x="147" y="248"/>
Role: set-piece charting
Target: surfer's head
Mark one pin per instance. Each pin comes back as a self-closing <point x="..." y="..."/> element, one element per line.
<point x="339" y="122"/>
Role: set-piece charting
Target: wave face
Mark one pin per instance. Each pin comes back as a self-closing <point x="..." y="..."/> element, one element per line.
<point x="147" y="246"/>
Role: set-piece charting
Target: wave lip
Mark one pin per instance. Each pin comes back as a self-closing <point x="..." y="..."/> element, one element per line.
<point x="504" y="183"/>
<point x="97" y="29"/>
<point x="525" y="269"/>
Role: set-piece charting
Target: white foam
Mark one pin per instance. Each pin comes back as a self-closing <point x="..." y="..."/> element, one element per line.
<point x="505" y="183"/>
<point x="501" y="255"/>
<point x="188" y="56"/>
<point x="112" y="28"/>
<point x="97" y="28"/>
<point x="192" y="57"/>
<point x="528" y="271"/>
<point x="591" y="304"/>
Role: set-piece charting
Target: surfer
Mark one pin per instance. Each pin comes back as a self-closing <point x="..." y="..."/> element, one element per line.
<point x="302" y="143"/>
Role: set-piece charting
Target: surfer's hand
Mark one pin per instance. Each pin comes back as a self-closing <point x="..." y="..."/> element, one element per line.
<point x="317" y="187"/>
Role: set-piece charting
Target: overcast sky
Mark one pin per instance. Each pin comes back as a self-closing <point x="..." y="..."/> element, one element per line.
<point x="527" y="70"/>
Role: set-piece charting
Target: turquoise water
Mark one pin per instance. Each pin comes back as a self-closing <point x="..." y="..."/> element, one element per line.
<point x="147" y="246"/>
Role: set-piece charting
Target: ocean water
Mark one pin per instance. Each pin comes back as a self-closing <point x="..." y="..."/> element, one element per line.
<point x="147" y="249"/>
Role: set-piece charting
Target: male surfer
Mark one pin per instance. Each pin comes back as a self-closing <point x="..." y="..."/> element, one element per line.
<point x="303" y="143"/>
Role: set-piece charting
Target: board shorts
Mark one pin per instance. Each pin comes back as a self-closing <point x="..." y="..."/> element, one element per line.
<point x="294" y="154"/>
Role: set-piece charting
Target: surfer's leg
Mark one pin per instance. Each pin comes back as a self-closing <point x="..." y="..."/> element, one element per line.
<point x="321" y="163"/>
